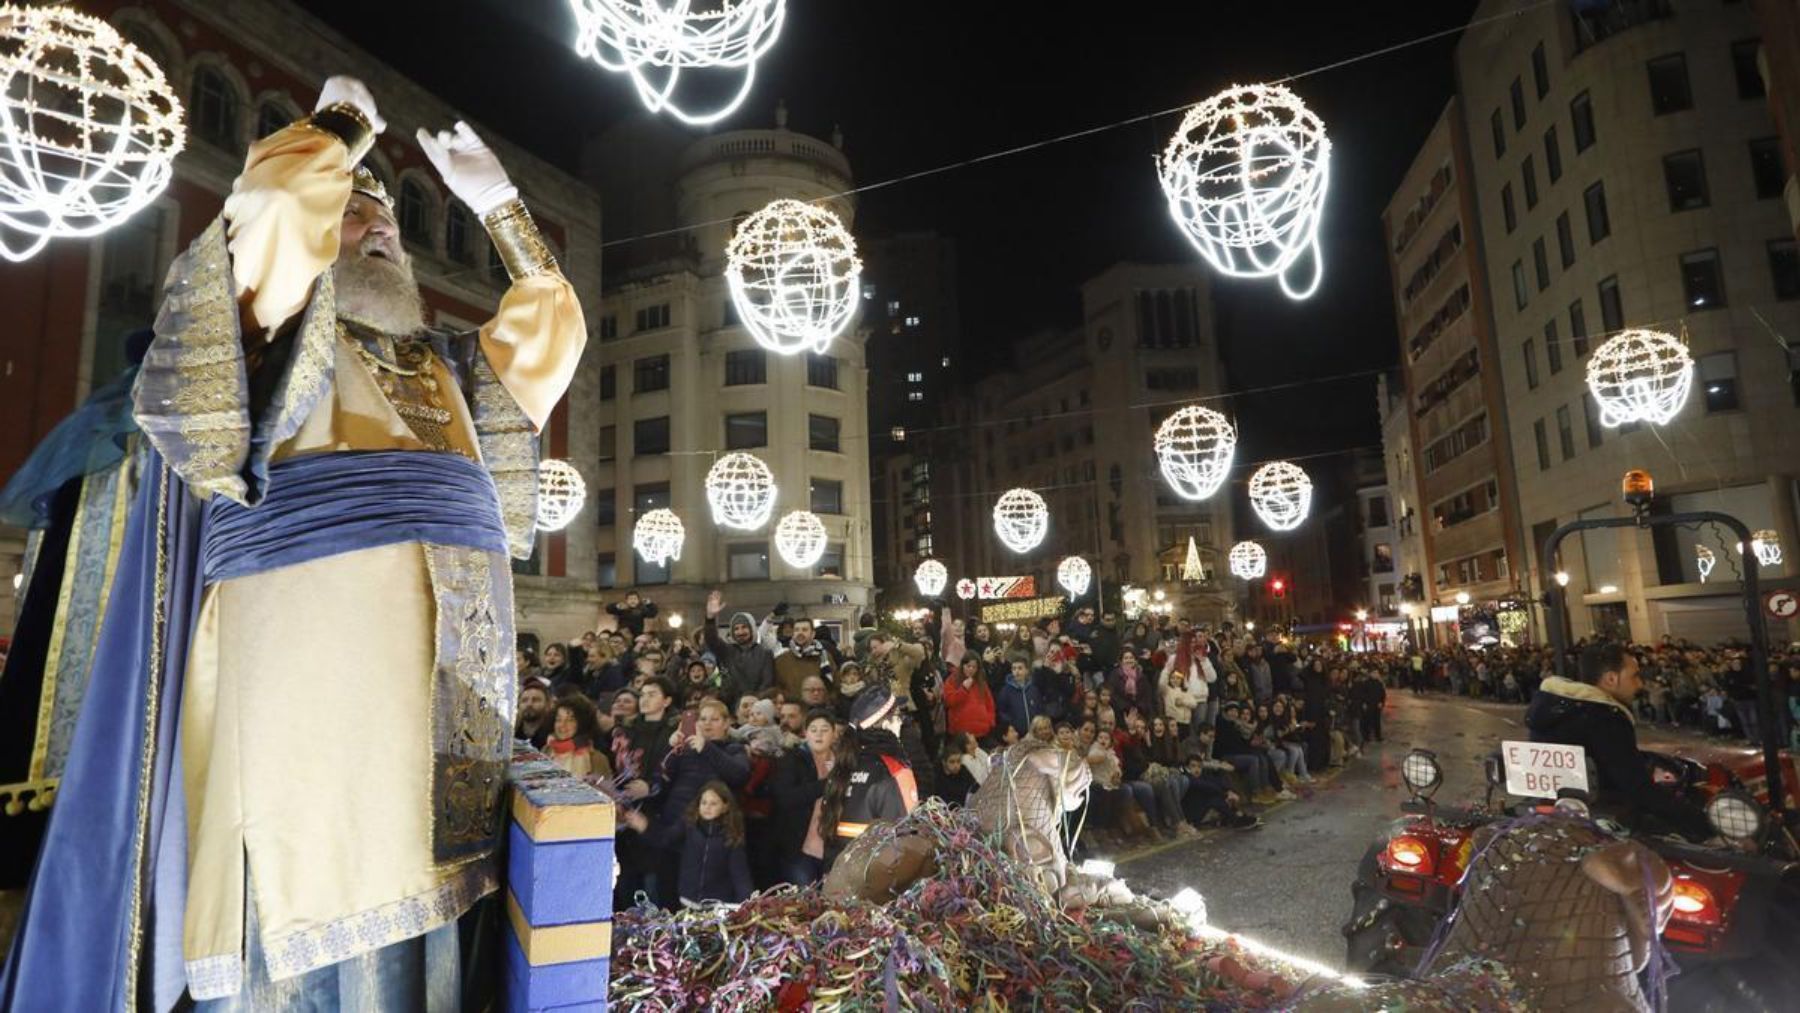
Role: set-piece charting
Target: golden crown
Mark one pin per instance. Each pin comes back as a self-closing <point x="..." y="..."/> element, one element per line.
<point x="370" y="185"/>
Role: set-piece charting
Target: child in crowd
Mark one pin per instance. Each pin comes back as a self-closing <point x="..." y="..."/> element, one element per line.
<point x="714" y="864"/>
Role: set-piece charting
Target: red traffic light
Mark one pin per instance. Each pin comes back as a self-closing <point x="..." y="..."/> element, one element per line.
<point x="1278" y="587"/>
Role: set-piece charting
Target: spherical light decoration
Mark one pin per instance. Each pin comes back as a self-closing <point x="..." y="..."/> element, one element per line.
<point x="89" y="128"/>
<point x="792" y="269"/>
<point x="561" y="494"/>
<point x="654" y="41"/>
<point x="1640" y="376"/>
<point x="1767" y="546"/>
<point x="1281" y="495"/>
<point x="1194" y="448"/>
<point x="741" y="489"/>
<point x="1705" y="560"/>
<point x="930" y="578"/>
<point x="1248" y="561"/>
<point x="1245" y="175"/>
<point x="800" y="538"/>
<point x="1075" y="576"/>
<point x="658" y="536"/>
<point x="1021" y="519"/>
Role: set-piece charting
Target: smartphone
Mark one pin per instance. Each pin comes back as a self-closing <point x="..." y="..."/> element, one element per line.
<point x="690" y="723"/>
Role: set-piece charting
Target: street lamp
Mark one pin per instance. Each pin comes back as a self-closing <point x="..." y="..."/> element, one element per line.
<point x="1462" y="597"/>
<point x="1362" y="615"/>
<point x="1562" y="578"/>
<point x="1159" y="594"/>
<point x="675" y="621"/>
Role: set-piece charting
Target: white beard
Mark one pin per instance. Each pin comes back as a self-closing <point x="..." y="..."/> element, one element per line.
<point x="379" y="293"/>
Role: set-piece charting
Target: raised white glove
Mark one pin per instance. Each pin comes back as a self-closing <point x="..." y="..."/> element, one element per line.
<point x="346" y="89"/>
<point x="469" y="168"/>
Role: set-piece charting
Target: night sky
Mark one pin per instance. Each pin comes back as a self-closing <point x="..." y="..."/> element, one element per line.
<point x="924" y="83"/>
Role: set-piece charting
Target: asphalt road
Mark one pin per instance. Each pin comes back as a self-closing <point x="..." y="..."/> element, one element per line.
<point x="1288" y="884"/>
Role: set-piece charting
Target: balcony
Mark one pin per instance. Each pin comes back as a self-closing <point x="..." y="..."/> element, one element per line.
<point x="1596" y="21"/>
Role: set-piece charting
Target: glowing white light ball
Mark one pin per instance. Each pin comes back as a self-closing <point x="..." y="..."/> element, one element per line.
<point x="1705" y="560"/>
<point x="741" y="489"/>
<point x="658" y="536"/>
<point x="1640" y="376"/>
<point x="1075" y="575"/>
<point x="800" y="538"/>
<point x="1245" y="175"/>
<point x="1248" y="560"/>
<point x="1021" y="519"/>
<point x="654" y="41"/>
<point x="793" y="273"/>
<point x="89" y="128"/>
<point x="1767" y="546"/>
<point x="561" y="494"/>
<point x="930" y="578"/>
<point x="1281" y="495"/>
<point x="1194" y="448"/>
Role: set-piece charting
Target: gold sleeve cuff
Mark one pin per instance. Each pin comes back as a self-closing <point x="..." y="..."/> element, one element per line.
<point x="347" y="123"/>
<point x="522" y="249"/>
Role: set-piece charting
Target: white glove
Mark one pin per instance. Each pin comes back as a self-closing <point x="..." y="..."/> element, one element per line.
<point x="346" y="89"/>
<point x="469" y="168"/>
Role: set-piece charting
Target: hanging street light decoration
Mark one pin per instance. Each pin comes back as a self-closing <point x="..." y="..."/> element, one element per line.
<point x="1075" y="576"/>
<point x="654" y="41"/>
<point x="1245" y="175"/>
<point x="1021" y="519"/>
<point x="89" y="128"/>
<point x="930" y="578"/>
<point x="561" y="494"/>
<point x="1705" y="560"/>
<point x="800" y="538"/>
<point x="658" y="536"/>
<point x="1194" y="448"/>
<point x="1767" y="546"/>
<point x="1640" y="376"/>
<point x="741" y="490"/>
<point x="793" y="273"/>
<point x="1281" y="495"/>
<point x="1248" y="561"/>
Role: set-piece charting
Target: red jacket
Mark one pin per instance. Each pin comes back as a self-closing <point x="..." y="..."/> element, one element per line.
<point x="968" y="708"/>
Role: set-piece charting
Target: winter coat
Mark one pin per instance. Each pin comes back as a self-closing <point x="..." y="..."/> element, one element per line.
<point x="1015" y="705"/>
<point x="796" y="786"/>
<point x="686" y="772"/>
<point x="968" y="708"/>
<point x="711" y="868"/>
<point x="751" y="665"/>
<point x="631" y="620"/>
<point x="1143" y="697"/>
<point x="1178" y="703"/>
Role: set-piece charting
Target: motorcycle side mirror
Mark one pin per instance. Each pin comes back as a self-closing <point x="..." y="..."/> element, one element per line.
<point x="1494" y="768"/>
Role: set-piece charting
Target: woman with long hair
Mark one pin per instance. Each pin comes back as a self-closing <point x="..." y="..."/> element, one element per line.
<point x="575" y="743"/>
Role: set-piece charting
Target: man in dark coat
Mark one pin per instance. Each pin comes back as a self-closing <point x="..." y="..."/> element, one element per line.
<point x="749" y="662"/>
<point x="631" y="613"/>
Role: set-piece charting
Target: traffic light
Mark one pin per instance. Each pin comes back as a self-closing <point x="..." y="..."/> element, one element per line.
<point x="1278" y="588"/>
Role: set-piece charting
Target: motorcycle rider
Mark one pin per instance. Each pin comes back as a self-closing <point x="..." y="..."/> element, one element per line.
<point x="1595" y="713"/>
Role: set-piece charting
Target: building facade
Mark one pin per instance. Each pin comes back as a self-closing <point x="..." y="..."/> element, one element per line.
<point x="244" y="70"/>
<point x="1627" y="172"/>
<point x="1399" y="464"/>
<point x="682" y="383"/>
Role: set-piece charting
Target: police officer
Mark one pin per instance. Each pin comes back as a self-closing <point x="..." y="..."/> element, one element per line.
<point x="870" y="780"/>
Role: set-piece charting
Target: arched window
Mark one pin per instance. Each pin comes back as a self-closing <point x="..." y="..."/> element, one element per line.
<point x="415" y="212"/>
<point x="272" y="116"/>
<point x="459" y="234"/>
<point x="140" y="35"/>
<point x="213" y="110"/>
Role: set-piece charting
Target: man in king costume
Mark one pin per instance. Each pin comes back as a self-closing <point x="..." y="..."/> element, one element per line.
<point x="286" y="780"/>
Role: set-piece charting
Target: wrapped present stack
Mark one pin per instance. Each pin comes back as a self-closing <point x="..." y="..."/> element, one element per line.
<point x="559" y="881"/>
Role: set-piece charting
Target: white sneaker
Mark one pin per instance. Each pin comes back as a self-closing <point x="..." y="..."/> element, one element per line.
<point x="1286" y="795"/>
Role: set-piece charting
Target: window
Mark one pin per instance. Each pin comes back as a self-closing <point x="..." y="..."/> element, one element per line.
<point x="1540" y="260"/>
<point x="1612" y="310"/>
<point x="1578" y="329"/>
<point x="915" y="378"/>
<point x="1599" y="225"/>
<point x="1581" y="122"/>
<point x="728" y="313"/>
<point x="609" y="382"/>
<point x="821" y="371"/>
<point x="649" y="496"/>
<point x="609" y="327"/>
<point x="915" y="395"/>
<point x="831" y="564"/>
<point x="649" y="318"/>
<point x="1520" y="295"/>
<point x="132" y="266"/>
<point x="1531" y="366"/>
<point x="747" y="561"/>
<point x="1499" y="128"/>
<point x="1543" y="444"/>
<point x="1552" y="155"/>
<point x="1669" y="91"/>
<point x="1784" y="268"/>
<point x="1378" y="512"/>
<point x="1718" y="378"/>
<point x="1528" y="172"/>
<point x="606" y="507"/>
<point x="1565" y="432"/>
<point x="459" y="241"/>
<point x="1766" y="168"/>
<point x="822" y="433"/>
<point x="213" y="112"/>
<point x="1590" y="409"/>
<point x="609" y="443"/>
<point x="1552" y="348"/>
<point x="650" y="373"/>
<point x="1743" y="66"/>
<point x="1684" y="173"/>
<point x="270" y="117"/>
<point x="1517" y="93"/>
<point x="606" y="570"/>
<point x="746" y="366"/>
<point x="1565" y="240"/>
<point x="1793" y="359"/>
<point x="650" y="436"/>
<point x="1540" y="70"/>
<point x="746" y="430"/>
<point x="827" y="496"/>
<point x="1701" y="282"/>
<point x="1507" y="212"/>
<point x="415" y="212"/>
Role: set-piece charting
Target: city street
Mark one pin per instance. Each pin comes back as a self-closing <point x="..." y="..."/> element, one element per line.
<point x="1288" y="884"/>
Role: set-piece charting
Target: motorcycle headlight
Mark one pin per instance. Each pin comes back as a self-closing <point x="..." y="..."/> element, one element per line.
<point x="1735" y="817"/>
<point x="1421" y="772"/>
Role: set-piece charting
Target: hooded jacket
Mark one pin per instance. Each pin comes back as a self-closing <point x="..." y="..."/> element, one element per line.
<point x="751" y="664"/>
